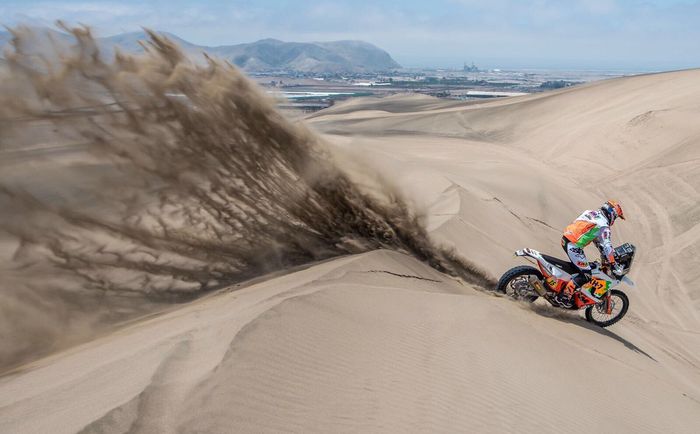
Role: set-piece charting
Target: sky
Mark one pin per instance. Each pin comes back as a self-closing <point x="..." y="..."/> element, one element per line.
<point x="641" y="35"/>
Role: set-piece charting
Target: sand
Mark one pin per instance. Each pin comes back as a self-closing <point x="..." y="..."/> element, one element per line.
<point x="380" y="342"/>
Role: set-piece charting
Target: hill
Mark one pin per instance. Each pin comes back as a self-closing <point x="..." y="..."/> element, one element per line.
<point x="263" y="55"/>
<point x="275" y="55"/>
<point x="339" y="56"/>
<point x="131" y="42"/>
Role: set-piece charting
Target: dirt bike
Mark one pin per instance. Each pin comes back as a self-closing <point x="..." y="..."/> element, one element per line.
<point x="604" y="305"/>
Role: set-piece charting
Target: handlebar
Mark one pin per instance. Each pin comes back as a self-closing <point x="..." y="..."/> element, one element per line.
<point x="616" y="270"/>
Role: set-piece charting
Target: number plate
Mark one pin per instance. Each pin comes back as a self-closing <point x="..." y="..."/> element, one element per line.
<point x="599" y="287"/>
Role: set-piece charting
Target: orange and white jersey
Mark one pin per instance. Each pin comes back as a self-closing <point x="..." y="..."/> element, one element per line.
<point x="591" y="226"/>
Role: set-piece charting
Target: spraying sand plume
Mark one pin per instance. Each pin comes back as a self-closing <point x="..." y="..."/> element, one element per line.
<point x="166" y="178"/>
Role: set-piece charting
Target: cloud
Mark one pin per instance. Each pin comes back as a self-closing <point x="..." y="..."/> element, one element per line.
<point x="417" y="32"/>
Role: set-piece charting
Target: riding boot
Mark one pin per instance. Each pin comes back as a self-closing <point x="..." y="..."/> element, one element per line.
<point x="566" y="295"/>
<point x="564" y="298"/>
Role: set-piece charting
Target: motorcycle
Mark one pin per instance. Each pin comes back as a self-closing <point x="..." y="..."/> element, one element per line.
<point x="604" y="305"/>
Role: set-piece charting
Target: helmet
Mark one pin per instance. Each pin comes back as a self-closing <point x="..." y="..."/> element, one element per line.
<point x="612" y="210"/>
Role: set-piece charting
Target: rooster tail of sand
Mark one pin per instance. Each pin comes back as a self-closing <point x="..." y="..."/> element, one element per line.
<point x="189" y="180"/>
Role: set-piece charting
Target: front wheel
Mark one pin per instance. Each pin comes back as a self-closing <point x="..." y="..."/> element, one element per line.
<point x="598" y="314"/>
<point x="516" y="283"/>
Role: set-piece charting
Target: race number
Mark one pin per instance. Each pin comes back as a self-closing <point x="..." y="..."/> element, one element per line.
<point x="599" y="287"/>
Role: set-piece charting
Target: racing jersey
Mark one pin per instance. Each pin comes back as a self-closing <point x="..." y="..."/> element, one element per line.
<point x="592" y="226"/>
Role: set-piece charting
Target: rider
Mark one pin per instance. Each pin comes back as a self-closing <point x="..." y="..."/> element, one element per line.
<point x="591" y="226"/>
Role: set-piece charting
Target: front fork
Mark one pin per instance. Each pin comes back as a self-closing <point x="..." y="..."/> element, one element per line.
<point x="603" y="303"/>
<point x="608" y="305"/>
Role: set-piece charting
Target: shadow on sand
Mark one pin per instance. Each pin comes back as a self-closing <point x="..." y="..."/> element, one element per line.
<point x="564" y="316"/>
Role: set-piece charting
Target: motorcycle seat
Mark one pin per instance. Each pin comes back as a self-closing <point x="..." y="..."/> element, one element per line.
<point x="567" y="266"/>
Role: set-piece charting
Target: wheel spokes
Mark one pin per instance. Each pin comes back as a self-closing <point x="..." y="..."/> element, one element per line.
<point x="600" y="314"/>
<point x="520" y="285"/>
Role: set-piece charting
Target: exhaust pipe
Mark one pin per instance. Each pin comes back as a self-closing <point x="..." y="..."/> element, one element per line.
<point x="537" y="285"/>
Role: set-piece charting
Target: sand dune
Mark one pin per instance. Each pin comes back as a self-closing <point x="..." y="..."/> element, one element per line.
<point x="546" y="156"/>
<point x="376" y="342"/>
<point x="380" y="342"/>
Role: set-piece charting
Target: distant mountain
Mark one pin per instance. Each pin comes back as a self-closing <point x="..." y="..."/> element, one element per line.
<point x="42" y="35"/>
<point x="275" y="55"/>
<point x="263" y="55"/>
<point x="131" y="42"/>
<point x="338" y="56"/>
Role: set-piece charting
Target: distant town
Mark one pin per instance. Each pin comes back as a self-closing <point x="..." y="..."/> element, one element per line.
<point x="308" y="91"/>
<point x="314" y="75"/>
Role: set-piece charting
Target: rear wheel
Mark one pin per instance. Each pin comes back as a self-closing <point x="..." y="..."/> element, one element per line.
<point x="516" y="283"/>
<point x="598" y="314"/>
